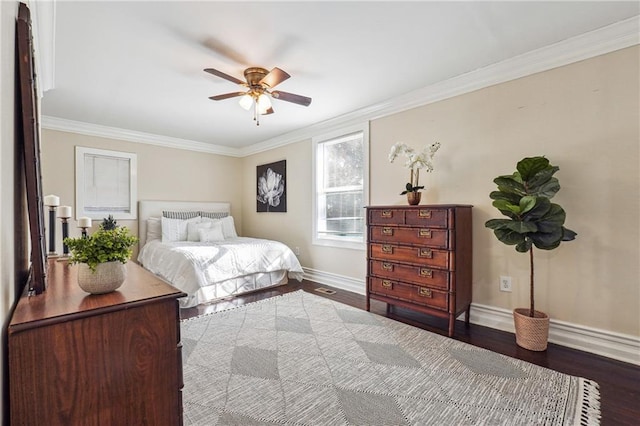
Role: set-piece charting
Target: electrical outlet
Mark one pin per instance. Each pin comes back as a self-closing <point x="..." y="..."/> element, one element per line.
<point x="505" y="283"/>
<point x="296" y="251"/>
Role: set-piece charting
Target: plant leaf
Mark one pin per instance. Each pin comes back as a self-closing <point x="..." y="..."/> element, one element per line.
<point x="510" y="185"/>
<point x="511" y="197"/>
<point x="529" y="166"/>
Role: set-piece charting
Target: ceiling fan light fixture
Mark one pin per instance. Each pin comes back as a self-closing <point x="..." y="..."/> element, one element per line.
<point x="259" y="83"/>
<point x="264" y="103"/>
<point x="246" y="102"/>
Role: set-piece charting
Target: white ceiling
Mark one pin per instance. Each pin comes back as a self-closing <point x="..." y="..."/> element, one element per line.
<point x="139" y="65"/>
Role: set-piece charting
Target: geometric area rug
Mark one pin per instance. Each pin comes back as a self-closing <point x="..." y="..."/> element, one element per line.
<point x="301" y="359"/>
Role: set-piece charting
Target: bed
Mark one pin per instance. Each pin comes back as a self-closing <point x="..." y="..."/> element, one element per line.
<point x="194" y="246"/>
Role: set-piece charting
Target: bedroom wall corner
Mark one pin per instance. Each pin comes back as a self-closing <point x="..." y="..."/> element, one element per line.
<point x="294" y="227"/>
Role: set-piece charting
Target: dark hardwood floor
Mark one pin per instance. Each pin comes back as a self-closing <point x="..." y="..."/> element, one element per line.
<point x="619" y="382"/>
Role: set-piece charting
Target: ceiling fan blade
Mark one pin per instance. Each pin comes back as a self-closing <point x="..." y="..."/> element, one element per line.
<point x="275" y="77"/>
<point x="226" y="96"/>
<point x="224" y="50"/>
<point x="267" y="112"/>
<point x="225" y="76"/>
<point x="291" y="97"/>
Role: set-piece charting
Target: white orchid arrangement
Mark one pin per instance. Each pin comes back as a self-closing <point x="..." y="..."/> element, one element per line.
<point x="415" y="161"/>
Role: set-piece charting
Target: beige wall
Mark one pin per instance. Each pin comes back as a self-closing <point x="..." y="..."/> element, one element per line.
<point x="583" y="117"/>
<point x="163" y="174"/>
<point x="294" y="227"/>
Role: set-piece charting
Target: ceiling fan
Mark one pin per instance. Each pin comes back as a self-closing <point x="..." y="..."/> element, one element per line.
<point x="260" y="84"/>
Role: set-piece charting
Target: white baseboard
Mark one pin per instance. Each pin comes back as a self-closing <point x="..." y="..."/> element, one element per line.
<point x="618" y="346"/>
<point x="342" y="282"/>
<point x="613" y="345"/>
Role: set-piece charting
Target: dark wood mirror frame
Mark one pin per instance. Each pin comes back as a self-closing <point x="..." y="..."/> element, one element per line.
<point x="30" y="136"/>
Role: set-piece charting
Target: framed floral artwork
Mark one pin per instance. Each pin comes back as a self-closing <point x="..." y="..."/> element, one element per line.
<point x="271" y="192"/>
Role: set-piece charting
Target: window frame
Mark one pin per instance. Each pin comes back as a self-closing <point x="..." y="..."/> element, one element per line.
<point x="338" y="133"/>
<point x="130" y="213"/>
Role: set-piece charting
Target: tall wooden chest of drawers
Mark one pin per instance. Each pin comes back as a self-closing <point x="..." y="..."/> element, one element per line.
<point x="420" y="257"/>
<point x="108" y="359"/>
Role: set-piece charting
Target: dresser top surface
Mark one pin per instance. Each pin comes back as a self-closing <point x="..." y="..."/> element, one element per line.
<point x="420" y="206"/>
<point x="63" y="297"/>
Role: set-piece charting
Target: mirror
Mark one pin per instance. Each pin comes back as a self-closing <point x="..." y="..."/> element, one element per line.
<point x="28" y="125"/>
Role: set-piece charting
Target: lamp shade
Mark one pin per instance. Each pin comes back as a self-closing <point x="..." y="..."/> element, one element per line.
<point x="264" y="103"/>
<point x="246" y="102"/>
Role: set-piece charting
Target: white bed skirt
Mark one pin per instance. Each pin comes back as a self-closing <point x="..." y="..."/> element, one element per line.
<point x="235" y="287"/>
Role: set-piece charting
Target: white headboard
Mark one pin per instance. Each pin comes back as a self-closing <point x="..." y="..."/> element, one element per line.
<point x="147" y="209"/>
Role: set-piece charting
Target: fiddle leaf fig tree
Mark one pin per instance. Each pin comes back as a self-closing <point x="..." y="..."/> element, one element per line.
<point x="532" y="219"/>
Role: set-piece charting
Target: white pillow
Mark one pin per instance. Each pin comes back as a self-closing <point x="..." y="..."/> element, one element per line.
<point x="194" y="228"/>
<point x="212" y="234"/>
<point x="176" y="229"/>
<point x="154" y="229"/>
<point x="228" y="226"/>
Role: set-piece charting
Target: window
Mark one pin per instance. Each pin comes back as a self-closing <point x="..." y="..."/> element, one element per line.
<point x="341" y="173"/>
<point x="105" y="183"/>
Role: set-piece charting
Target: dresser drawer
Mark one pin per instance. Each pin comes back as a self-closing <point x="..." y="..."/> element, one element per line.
<point x="437" y="238"/>
<point x="427" y="217"/>
<point x="412" y="293"/>
<point x="422" y="256"/>
<point x="413" y="274"/>
<point x="386" y="216"/>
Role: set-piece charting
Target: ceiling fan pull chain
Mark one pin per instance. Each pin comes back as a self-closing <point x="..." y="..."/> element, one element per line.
<point x="256" y="113"/>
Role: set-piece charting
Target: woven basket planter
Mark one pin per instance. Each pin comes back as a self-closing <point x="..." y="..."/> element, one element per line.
<point x="107" y="277"/>
<point x="531" y="333"/>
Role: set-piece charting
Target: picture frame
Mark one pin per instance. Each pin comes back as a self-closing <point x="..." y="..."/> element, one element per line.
<point x="271" y="187"/>
<point x="106" y="184"/>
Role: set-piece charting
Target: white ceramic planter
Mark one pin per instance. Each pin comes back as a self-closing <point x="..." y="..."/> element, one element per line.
<point x="107" y="277"/>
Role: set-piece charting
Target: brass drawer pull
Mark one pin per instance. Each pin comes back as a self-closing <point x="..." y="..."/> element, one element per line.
<point x="387" y="249"/>
<point x="387" y="266"/>
<point x="425" y="233"/>
<point x="387" y="231"/>
<point x="425" y="272"/>
<point x="387" y="284"/>
<point x="386" y="213"/>
<point x="425" y="252"/>
<point x="426" y="214"/>
<point x="425" y="292"/>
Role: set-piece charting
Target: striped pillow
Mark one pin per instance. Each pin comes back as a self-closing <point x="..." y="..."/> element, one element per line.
<point x="214" y="215"/>
<point x="180" y="215"/>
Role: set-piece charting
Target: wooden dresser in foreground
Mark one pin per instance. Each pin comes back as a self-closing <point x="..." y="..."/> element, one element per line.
<point x="420" y="257"/>
<point x="81" y="359"/>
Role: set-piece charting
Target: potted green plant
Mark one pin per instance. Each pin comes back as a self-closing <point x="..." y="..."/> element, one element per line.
<point x="532" y="221"/>
<point x="101" y="256"/>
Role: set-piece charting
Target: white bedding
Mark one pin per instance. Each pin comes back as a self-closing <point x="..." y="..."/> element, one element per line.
<point x="194" y="266"/>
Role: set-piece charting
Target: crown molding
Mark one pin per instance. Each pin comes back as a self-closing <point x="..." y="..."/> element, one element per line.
<point x="64" y="125"/>
<point x="604" y="40"/>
